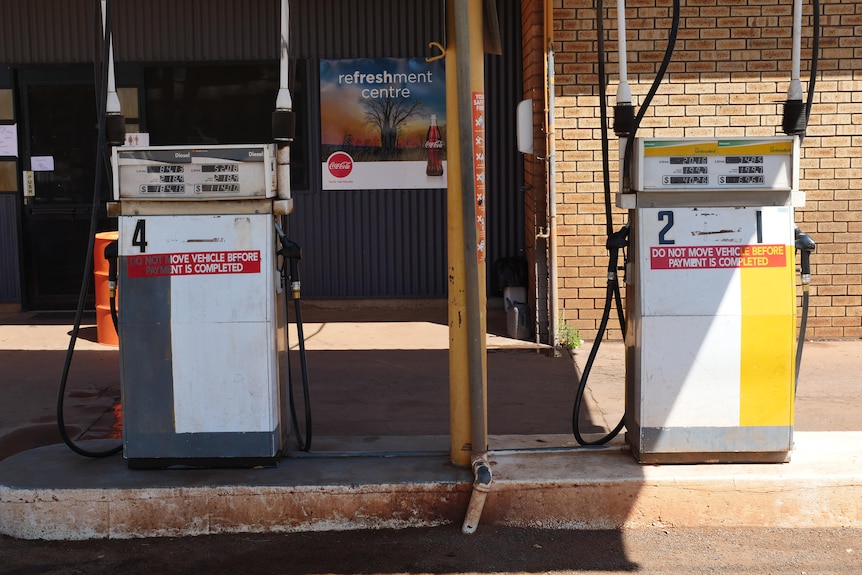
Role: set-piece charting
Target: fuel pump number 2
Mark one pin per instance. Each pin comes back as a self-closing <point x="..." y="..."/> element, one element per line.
<point x="667" y="216"/>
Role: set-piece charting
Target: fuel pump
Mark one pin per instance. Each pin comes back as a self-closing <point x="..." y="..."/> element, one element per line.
<point x="710" y="285"/>
<point x="201" y="325"/>
<point x="711" y="299"/>
<point x="203" y="346"/>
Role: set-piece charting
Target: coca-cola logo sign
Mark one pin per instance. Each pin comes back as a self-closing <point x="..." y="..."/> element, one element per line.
<point x="438" y="145"/>
<point x="340" y="164"/>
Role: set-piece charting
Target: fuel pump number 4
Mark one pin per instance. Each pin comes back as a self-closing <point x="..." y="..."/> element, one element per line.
<point x="139" y="237"/>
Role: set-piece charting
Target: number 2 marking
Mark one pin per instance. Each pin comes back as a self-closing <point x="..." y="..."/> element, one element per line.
<point x="665" y="215"/>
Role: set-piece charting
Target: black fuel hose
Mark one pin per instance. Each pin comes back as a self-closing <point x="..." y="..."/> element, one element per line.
<point x="805" y="245"/>
<point x="291" y="255"/>
<point x="304" y="443"/>
<point x="88" y="266"/>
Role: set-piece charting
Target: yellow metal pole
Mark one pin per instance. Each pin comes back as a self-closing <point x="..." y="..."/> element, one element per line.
<point x="466" y="279"/>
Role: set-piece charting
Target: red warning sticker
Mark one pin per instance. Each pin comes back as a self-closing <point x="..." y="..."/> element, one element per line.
<point x="194" y="263"/>
<point x="718" y="257"/>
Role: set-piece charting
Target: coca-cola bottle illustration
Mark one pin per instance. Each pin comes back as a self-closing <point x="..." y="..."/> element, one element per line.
<point x="434" y="147"/>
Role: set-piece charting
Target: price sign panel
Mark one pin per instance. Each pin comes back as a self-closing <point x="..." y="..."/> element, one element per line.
<point x="189" y="173"/>
<point x="701" y="164"/>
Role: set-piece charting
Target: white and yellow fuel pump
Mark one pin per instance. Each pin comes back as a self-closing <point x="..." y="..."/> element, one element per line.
<point x="709" y="323"/>
<point x="711" y="299"/>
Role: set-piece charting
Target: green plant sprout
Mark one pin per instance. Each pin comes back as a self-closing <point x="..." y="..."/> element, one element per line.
<point x="568" y="337"/>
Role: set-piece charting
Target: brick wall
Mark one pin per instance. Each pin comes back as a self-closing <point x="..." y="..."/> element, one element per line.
<point x="729" y="77"/>
<point x="535" y="180"/>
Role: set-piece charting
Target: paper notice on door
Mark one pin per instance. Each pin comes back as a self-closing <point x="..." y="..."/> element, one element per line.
<point x="9" y="140"/>
<point x="42" y="163"/>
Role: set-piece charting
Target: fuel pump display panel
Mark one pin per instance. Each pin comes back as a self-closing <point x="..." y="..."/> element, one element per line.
<point x="217" y="172"/>
<point x="700" y="164"/>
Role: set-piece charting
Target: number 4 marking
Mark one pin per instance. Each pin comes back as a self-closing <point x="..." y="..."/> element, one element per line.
<point x="139" y="238"/>
<point x="665" y="215"/>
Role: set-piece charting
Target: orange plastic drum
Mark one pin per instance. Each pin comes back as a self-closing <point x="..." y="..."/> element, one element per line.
<point x="105" y="331"/>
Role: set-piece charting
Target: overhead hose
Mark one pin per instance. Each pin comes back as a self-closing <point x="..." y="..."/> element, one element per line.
<point x="630" y="141"/>
<point x="88" y="266"/>
<point x="793" y="122"/>
<point x="617" y="241"/>
<point x="815" y="59"/>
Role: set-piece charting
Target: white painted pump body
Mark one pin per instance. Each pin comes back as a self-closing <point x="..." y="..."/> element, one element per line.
<point x="710" y="291"/>
<point x="201" y="314"/>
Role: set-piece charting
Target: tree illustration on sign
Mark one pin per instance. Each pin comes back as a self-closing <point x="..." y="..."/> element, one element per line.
<point x="388" y="115"/>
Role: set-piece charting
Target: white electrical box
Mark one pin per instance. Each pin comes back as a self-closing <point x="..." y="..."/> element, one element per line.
<point x="195" y="173"/>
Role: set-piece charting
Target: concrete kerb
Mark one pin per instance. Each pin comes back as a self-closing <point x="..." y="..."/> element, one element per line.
<point x="50" y="493"/>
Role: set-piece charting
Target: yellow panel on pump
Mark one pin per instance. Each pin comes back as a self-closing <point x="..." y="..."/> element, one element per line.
<point x="768" y="348"/>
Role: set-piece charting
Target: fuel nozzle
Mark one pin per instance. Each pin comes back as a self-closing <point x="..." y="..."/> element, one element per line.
<point x="805" y="245"/>
<point x="291" y="253"/>
<point x="616" y="241"/>
<point x="112" y="252"/>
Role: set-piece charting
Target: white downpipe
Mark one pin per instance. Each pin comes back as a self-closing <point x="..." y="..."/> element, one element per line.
<point x="624" y="93"/>
<point x="553" y="281"/>
<point x="794" y="92"/>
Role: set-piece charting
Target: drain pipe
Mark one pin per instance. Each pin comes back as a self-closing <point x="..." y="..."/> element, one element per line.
<point x="481" y="487"/>
<point x="551" y="175"/>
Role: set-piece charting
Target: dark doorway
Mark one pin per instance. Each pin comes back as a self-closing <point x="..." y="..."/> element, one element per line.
<point x="59" y="148"/>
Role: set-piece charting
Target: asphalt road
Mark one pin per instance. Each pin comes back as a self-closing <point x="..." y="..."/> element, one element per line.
<point x="445" y="550"/>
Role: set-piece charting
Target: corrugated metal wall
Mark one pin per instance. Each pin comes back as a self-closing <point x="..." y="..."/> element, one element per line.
<point x="46" y="31"/>
<point x="371" y="28"/>
<point x="10" y="288"/>
<point x="54" y="31"/>
<point x="381" y="243"/>
<point x="392" y="243"/>
<point x="376" y="243"/>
